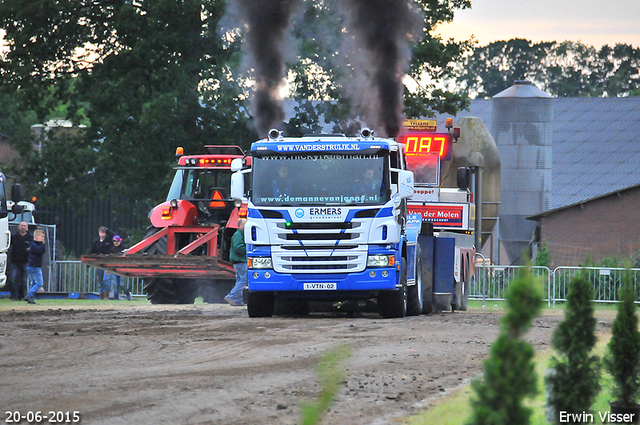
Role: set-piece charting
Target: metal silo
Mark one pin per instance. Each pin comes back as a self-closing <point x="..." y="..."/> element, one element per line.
<point x="522" y="126"/>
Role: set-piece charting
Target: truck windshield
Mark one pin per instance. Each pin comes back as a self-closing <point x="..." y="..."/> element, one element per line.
<point x="320" y="180"/>
<point x="201" y="183"/>
<point x="3" y="199"/>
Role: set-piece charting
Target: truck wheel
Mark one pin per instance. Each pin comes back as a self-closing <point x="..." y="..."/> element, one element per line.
<point x="170" y="291"/>
<point x="414" y="292"/>
<point x="394" y="303"/>
<point x="260" y="304"/>
<point x="462" y="290"/>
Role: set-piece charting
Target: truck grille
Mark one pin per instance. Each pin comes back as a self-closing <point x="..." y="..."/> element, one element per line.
<point x="329" y="259"/>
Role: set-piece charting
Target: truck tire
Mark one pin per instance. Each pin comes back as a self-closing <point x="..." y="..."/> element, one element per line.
<point x="461" y="294"/>
<point x="170" y="291"/>
<point x="260" y="304"/>
<point x="414" y="292"/>
<point x="393" y="304"/>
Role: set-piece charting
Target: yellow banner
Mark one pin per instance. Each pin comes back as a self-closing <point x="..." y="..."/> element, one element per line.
<point x="420" y="125"/>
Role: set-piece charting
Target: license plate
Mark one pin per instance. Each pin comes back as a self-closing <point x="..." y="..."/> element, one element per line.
<point x="320" y="286"/>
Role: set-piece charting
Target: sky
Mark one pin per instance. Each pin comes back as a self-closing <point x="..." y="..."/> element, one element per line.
<point x="592" y="22"/>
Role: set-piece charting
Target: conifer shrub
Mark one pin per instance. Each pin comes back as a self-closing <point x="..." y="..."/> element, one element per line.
<point x="573" y="381"/>
<point x="509" y="371"/>
<point x="623" y="355"/>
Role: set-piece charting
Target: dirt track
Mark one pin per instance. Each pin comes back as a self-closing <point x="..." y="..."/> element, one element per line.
<point x="135" y="363"/>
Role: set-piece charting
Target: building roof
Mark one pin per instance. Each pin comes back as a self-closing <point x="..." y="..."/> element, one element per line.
<point x="596" y="145"/>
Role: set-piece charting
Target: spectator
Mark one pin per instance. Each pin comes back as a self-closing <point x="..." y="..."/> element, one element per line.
<point x="118" y="282"/>
<point x="34" y="265"/>
<point x="18" y="258"/>
<point x="238" y="257"/>
<point x="102" y="246"/>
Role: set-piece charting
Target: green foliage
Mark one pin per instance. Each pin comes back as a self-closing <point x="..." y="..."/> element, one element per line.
<point x="543" y="257"/>
<point x="623" y="356"/>
<point x="331" y="374"/>
<point x="574" y="381"/>
<point x="559" y="68"/>
<point x="509" y="371"/>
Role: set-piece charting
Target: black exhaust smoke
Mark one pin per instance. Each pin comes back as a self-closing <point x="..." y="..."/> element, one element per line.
<point x="385" y="29"/>
<point x="266" y="23"/>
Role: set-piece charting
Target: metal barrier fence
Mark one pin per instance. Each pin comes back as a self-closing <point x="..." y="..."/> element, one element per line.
<point x="490" y="282"/>
<point x="73" y="276"/>
<point x="606" y="281"/>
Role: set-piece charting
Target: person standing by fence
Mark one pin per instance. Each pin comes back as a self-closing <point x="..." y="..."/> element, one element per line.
<point x="102" y="245"/>
<point x="34" y="266"/>
<point x="18" y="258"/>
<point x="118" y="281"/>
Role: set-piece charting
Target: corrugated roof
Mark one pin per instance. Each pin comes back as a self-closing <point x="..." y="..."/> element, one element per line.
<point x="596" y="145"/>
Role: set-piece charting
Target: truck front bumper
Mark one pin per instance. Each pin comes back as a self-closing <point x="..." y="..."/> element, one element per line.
<point x="371" y="279"/>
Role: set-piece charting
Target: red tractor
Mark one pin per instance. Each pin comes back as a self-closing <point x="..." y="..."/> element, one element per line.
<point x="185" y="252"/>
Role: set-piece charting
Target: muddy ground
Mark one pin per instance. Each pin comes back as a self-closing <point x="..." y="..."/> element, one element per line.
<point x="136" y="363"/>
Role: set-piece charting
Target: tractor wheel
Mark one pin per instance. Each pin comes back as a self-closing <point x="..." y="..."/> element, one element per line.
<point x="170" y="291"/>
<point x="159" y="247"/>
<point x="394" y="303"/>
<point x="260" y="304"/>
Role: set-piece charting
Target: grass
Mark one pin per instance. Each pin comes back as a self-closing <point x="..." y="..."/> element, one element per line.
<point x="455" y="409"/>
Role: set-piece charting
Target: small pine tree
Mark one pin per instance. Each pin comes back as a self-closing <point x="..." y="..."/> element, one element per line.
<point x="623" y="357"/>
<point x="574" y="382"/>
<point x="509" y="371"/>
<point x="543" y="257"/>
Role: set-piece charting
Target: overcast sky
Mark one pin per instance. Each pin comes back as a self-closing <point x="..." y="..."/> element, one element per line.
<point x="592" y="22"/>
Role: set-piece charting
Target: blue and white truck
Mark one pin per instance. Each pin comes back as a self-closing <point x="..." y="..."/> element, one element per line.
<point x="328" y="221"/>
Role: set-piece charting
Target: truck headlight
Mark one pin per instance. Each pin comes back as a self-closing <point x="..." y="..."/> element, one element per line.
<point x="381" y="260"/>
<point x="259" y="263"/>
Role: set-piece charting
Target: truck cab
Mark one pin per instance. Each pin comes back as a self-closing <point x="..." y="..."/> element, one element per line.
<point x="326" y="217"/>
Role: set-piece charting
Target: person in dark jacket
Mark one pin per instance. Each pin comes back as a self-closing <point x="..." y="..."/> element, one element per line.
<point x="34" y="265"/>
<point x="103" y="246"/>
<point x="238" y="257"/>
<point x="18" y="258"/>
<point x="118" y="281"/>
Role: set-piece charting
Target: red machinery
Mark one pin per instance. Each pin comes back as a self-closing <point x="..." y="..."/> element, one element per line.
<point x="185" y="251"/>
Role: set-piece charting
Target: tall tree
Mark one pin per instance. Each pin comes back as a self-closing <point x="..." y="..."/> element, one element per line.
<point x="562" y="69"/>
<point x="156" y="75"/>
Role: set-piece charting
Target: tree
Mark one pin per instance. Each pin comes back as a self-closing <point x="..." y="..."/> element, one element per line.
<point x="509" y="371"/>
<point x="562" y="69"/>
<point x="574" y="382"/>
<point x="155" y="74"/>
<point x="623" y="357"/>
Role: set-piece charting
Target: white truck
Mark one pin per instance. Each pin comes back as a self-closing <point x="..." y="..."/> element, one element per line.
<point x="5" y="234"/>
<point x="328" y="220"/>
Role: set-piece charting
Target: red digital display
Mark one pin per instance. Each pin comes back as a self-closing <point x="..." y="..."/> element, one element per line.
<point x="417" y="144"/>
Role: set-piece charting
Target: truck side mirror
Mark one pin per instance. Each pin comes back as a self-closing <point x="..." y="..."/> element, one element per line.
<point x="17" y="209"/>
<point x="405" y="184"/>
<point x="236" y="164"/>
<point x="464" y="178"/>
<point x="16" y="192"/>
<point x="237" y="186"/>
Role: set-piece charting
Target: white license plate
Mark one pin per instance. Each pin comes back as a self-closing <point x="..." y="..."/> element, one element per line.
<point x="320" y="286"/>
